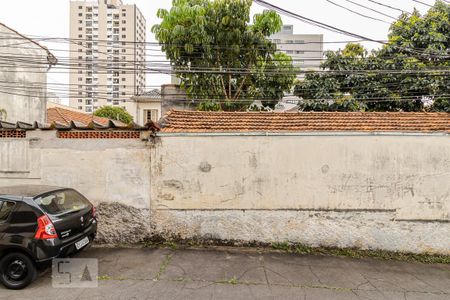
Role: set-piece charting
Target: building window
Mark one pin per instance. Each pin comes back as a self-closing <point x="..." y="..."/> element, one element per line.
<point x="299" y="52"/>
<point x="150" y="115"/>
<point x="80" y="14"/>
<point x="80" y="100"/>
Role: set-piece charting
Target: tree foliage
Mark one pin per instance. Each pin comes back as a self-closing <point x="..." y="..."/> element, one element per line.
<point x="219" y="56"/>
<point x="114" y="113"/>
<point x="412" y="62"/>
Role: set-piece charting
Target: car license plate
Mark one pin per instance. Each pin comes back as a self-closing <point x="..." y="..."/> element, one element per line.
<point x="81" y="243"/>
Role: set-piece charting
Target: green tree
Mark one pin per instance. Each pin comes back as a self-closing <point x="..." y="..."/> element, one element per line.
<point x="114" y="113"/>
<point x="219" y="56"/>
<point x="412" y="61"/>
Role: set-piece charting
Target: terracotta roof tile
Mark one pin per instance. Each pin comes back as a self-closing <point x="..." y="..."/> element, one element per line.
<point x="64" y="116"/>
<point x="196" y="121"/>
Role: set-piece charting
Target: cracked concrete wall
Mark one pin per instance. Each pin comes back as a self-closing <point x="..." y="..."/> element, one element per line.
<point x="387" y="192"/>
<point x="27" y="102"/>
<point x="104" y="170"/>
<point x="408" y="174"/>
<point x="345" y="229"/>
<point x="377" y="192"/>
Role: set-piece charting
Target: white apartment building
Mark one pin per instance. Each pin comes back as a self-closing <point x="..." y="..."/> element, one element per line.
<point x="306" y="50"/>
<point x="107" y="54"/>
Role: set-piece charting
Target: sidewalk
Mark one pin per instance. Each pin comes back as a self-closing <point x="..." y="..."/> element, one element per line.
<point x="245" y="274"/>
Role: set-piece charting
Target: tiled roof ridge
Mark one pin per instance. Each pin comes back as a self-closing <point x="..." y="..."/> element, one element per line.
<point x="199" y="121"/>
<point x="305" y="112"/>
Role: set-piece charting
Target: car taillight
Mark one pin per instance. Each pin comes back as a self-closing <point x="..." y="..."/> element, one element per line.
<point x="94" y="211"/>
<point x="45" y="230"/>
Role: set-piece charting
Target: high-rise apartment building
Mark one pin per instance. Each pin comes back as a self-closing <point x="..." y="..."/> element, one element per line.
<point x="107" y="54"/>
<point x="306" y="50"/>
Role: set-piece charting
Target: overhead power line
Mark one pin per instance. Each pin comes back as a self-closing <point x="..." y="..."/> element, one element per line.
<point x="391" y="7"/>
<point x="371" y="9"/>
<point x="332" y="28"/>
<point x="423" y="3"/>
<point x="7" y="90"/>
<point x="314" y="22"/>
<point x="357" y="13"/>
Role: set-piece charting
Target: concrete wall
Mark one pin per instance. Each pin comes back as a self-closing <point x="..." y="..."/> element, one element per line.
<point x="369" y="191"/>
<point x="173" y="97"/>
<point x="24" y="88"/>
<point x="387" y="192"/>
<point x="105" y="170"/>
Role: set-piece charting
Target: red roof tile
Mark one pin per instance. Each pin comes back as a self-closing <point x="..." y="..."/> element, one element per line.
<point x="64" y="116"/>
<point x="196" y="121"/>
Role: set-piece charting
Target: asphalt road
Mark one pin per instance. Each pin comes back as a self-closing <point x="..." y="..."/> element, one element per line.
<point x="244" y="274"/>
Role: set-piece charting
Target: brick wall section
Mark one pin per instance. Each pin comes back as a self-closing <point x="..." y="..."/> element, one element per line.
<point x="98" y="134"/>
<point x="12" y="134"/>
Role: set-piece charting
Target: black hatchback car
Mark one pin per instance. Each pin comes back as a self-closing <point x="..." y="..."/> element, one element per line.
<point x="39" y="223"/>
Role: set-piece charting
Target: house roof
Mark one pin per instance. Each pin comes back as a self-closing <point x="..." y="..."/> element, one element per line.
<point x="74" y="125"/>
<point x="155" y="94"/>
<point x="149" y="96"/>
<point x="52" y="60"/>
<point x="196" y="121"/>
<point x="65" y="116"/>
<point x="68" y="119"/>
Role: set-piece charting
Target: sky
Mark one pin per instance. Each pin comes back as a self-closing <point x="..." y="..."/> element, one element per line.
<point x="50" y="18"/>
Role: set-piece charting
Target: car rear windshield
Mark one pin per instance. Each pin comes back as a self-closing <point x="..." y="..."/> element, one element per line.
<point x="62" y="202"/>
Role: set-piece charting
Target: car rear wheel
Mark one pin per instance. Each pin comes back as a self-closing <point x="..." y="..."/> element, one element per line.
<point x="17" y="271"/>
